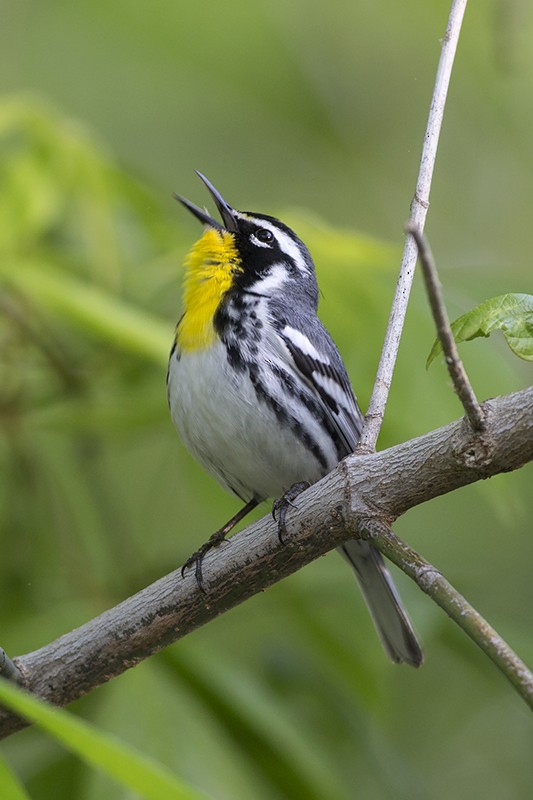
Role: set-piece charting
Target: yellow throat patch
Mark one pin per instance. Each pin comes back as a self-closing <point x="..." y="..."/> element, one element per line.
<point x="211" y="265"/>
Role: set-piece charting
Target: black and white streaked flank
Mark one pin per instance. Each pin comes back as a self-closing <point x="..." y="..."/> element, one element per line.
<point x="269" y="403"/>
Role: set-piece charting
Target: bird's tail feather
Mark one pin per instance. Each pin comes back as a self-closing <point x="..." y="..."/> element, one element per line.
<point x="390" y="618"/>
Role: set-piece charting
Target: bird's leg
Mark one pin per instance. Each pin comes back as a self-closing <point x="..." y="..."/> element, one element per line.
<point x="282" y="505"/>
<point x="214" y="541"/>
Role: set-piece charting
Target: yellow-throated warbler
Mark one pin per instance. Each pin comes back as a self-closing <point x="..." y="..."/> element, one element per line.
<point x="257" y="388"/>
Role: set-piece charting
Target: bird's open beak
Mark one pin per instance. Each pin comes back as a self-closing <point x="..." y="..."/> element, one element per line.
<point x="226" y="212"/>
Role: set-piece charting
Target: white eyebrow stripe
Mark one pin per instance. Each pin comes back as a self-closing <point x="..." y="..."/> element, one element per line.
<point x="302" y="343"/>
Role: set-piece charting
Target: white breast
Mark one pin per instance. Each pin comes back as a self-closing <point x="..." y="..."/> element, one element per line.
<point x="235" y="437"/>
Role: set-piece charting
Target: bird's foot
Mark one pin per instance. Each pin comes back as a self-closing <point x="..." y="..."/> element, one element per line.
<point x="214" y="541"/>
<point x="282" y="504"/>
<point x="218" y="538"/>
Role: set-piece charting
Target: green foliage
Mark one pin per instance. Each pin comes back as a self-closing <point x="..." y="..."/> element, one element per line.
<point x="11" y="787"/>
<point x="290" y="693"/>
<point x="90" y="308"/>
<point x="510" y="313"/>
<point x="133" y="770"/>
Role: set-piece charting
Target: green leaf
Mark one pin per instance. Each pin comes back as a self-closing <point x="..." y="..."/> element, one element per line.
<point x="264" y="733"/>
<point x="98" y="749"/>
<point x="10" y="786"/>
<point x="92" y="309"/>
<point x="512" y="314"/>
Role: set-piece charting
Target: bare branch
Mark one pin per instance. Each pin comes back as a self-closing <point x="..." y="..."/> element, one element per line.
<point x="419" y="208"/>
<point x="381" y="486"/>
<point x="8" y="669"/>
<point x="434" y="584"/>
<point x="462" y="385"/>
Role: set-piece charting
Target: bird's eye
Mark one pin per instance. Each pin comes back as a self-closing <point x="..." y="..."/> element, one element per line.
<point x="264" y="235"/>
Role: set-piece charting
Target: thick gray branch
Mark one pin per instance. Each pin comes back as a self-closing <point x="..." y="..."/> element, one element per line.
<point x="381" y="486"/>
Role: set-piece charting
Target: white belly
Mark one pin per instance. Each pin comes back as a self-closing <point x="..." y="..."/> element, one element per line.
<point x="236" y="437"/>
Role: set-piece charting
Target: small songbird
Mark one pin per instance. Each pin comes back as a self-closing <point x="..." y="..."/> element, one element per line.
<point x="258" y="391"/>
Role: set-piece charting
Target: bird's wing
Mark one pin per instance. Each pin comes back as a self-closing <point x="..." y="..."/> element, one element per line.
<point x="321" y="366"/>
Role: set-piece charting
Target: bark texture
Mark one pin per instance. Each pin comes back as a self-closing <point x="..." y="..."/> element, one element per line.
<point x="362" y="491"/>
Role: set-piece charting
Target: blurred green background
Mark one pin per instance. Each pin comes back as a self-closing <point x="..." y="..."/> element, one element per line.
<point x="314" y="113"/>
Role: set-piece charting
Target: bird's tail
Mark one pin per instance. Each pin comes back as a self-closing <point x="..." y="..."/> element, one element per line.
<point x="390" y="618"/>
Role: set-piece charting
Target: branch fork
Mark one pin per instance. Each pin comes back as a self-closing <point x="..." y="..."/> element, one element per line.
<point x="362" y="496"/>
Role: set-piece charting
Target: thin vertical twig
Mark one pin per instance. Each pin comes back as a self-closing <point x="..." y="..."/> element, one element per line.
<point x="463" y="387"/>
<point x="417" y="216"/>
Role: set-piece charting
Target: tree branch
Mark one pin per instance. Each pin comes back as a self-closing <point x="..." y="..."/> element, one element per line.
<point x="434" y="584"/>
<point x="463" y="387"/>
<point x="8" y="669"/>
<point x="418" y="212"/>
<point x="380" y="486"/>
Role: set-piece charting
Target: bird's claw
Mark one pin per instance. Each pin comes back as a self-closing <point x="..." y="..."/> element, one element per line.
<point x="218" y="538"/>
<point x="282" y="504"/>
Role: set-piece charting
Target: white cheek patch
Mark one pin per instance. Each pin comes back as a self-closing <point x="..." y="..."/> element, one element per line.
<point x="302" y="343"/>
<point x="271" y="282"/>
